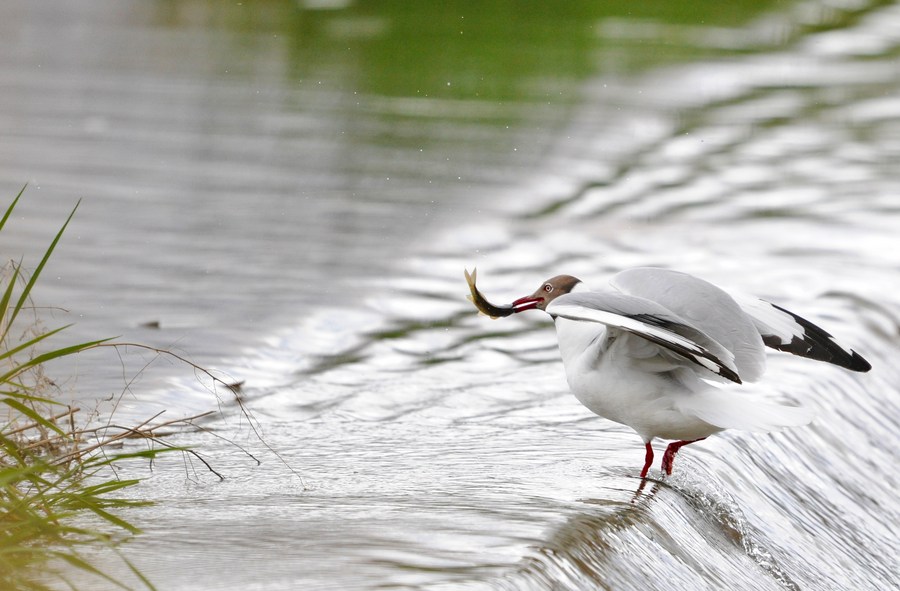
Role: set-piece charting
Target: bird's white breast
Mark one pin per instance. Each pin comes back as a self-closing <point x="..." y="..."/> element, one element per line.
<point x="620" y="377"/>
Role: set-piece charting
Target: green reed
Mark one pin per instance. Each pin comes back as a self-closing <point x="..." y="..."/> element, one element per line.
<point x="50" y="481"/>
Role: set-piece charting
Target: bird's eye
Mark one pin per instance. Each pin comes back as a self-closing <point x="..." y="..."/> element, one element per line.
<point x="548" y="288"/>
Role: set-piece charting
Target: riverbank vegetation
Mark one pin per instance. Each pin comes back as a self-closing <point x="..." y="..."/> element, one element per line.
<point x="55" y="475"/>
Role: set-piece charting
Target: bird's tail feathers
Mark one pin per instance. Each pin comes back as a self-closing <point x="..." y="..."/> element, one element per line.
<point x="729" y="410"/>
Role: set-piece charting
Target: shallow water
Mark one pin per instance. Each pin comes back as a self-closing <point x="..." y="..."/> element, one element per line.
<point x="300" y="219"/>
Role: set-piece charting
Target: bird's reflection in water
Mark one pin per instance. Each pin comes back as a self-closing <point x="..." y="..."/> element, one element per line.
<point x="583" y="551"/>
<point x="639" y="493"/>
<point x="682" y="532"/>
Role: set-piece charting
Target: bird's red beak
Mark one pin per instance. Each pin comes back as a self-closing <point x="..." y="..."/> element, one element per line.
<point x="526" y="303"/>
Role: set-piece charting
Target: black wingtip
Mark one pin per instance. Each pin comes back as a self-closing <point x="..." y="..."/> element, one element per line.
<point x="816" y="343"/>
<point x="858" y="363"/>
<point x="727" y="373"/>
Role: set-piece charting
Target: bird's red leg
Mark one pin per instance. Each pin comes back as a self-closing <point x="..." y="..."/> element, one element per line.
<point x="648" y="460"/>
<point x="673" y="448"/>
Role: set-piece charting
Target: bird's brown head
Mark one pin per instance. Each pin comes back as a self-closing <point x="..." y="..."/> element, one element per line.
<point x="546" y="293"/>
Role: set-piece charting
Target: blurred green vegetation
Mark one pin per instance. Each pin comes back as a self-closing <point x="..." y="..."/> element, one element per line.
<point x="496" y="50"/>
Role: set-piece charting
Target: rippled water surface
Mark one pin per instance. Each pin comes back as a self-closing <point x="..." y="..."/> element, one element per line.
<point x="290" y="194"/>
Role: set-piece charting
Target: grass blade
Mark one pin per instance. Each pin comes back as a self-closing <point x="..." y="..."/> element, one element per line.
<point x="138" y="573"/>
<point x="34" y="341"/>
<point x="23" y="297"/>
<point x="12" y="206"/>
<point x="7" y="295"/>
<point x="79" y="562"/>
<point x="49" y="356"/>
<point x="31" y="414"/>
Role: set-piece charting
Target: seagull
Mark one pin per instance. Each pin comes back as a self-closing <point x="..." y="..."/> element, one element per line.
<point x="656" y="347"/>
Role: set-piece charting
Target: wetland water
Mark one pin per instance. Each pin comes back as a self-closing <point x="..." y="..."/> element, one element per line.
<point x="290" y="195"/>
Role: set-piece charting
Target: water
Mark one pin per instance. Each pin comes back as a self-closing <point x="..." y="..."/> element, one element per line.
<point x="292" y="196"/>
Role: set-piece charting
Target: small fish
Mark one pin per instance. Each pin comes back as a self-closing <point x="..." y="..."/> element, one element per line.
<point x="484" y="306"/>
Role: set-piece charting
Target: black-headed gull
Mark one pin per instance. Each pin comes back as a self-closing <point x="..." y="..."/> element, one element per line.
<point x="645" y="352"/>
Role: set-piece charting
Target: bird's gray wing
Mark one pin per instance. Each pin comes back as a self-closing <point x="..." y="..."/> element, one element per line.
<point x="704" y="306"/>
<point x="785" y="331"/>
<point x="650" y="321"/>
